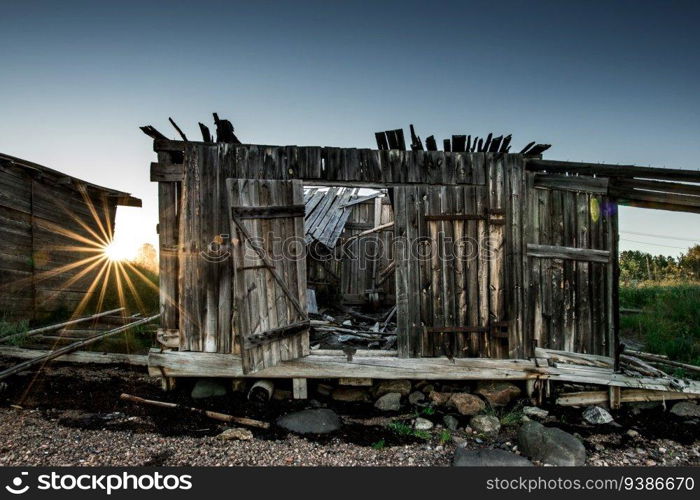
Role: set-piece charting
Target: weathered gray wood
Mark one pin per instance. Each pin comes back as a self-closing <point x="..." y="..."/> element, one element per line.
<point x="576" y="183"/>
<point x="89" y="357"/>
<point x="571" y="253"/>
<point x="601" y="169"/>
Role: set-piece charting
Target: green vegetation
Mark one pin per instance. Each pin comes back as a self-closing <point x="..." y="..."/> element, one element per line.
<point x="379" y="445"/>
<point x="513" y="417"/>
<point x="445" y="436"/>
<point x="404" y="429"/>
<point x="670" y="320"/>
<point x="667" y="291"/>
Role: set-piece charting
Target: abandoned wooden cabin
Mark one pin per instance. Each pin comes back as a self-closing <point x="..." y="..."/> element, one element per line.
<point x="51" y="222"/>
<point x="500" y="260"/>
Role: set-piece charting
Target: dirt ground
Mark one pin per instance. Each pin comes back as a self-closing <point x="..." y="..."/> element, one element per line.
<point x="68" y="415"/>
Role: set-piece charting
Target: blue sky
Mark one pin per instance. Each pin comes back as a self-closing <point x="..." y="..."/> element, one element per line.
<point x="601" y="81"/>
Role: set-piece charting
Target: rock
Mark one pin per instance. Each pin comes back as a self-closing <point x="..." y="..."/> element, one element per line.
<point x="403" y="387"/>
<point x="439" y="398"/>
<point x="450" y="422"/>
<point x="535" y="412"/>
<point x="485" y="424"/>
<point x="466" y="404"/>
<point x="235" y="434"/>
<point x="350" y="394"/>
<point x="428" y="389"/>
<point x="596" y="415"/>
<point x="632" y="433"/>
<point x="347" y="322"/>
<point x="459" y="441"/>
<point x="488" y="458"/>
<point x="498" y="393"/>
<point x="416" y="398"/>
<point x="317" y="421"/>
<point x="422" y="424"/>
<point x="389" y="402"/>
<point x="550" y="445"/>
<point x="207" y="388"/>
<point x="686" y="409"/>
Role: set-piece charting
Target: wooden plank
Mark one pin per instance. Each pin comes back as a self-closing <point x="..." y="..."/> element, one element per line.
<point x="100" y="358"/>
<point x="571" y="253"/>
<point x="601" y="169"/>
<point x="575" y="183"/>
<point x="315" y="366"/>
<point x="164" y="172"/>
<point x="626" y="396"/>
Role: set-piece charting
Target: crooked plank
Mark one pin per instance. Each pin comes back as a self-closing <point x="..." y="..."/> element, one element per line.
<point x="567" y="253"/>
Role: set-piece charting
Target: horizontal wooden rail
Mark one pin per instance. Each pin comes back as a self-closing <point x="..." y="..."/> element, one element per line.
<point x="568" y="253"/>
<point x="554" y="166"/>
<point x="575" y="183"/>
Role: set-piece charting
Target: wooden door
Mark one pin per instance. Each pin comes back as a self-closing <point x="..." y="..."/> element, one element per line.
<point x="449" y="271"/>
<point x="570" y="248"/>
<point x="270" y="320"/>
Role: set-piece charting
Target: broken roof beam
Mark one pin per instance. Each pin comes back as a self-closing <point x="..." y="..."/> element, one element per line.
<point x="607" y="170"/>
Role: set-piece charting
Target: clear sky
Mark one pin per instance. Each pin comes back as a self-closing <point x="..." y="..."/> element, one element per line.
<point x="615" y="82"/>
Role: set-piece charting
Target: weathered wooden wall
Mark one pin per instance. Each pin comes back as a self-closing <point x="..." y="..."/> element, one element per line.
<point x="48" y="227"/>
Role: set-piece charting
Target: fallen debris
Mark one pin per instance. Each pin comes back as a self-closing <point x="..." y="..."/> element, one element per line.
<point x="222" y="417"/>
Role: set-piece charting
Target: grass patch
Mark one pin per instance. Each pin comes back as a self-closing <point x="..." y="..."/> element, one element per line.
<point x="445" y="436"/>
<point x="403" y="429"/>
<point x="670" y="321"/>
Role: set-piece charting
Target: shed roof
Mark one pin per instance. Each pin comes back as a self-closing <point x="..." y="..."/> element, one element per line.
<point x="51" y="175"/>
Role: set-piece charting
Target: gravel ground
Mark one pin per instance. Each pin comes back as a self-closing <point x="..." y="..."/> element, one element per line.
<point x="28" y="438"/>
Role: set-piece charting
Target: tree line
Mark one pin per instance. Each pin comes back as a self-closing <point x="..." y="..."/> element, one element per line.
<point x="643" y="266"/>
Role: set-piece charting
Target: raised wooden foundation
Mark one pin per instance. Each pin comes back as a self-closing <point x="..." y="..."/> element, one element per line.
<point x="378" y="365"/>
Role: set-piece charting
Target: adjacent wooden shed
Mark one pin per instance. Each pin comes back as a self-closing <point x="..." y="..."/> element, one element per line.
<point x="51" y="223"/>
<point x="496" y="255"/>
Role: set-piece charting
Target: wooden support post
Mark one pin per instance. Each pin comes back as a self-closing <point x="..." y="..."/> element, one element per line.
<point x="300" y="388"/>
<point x="614" y="393"/>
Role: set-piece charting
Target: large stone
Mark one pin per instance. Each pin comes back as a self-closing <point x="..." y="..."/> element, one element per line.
<point x="498" y="393"/>
<point x="550" y="445"/>
<point x="597" y="415"/>
<point x="206" y="388"/>
<point x="535" y="412"/>
<point x="450" y="422"/>
<point x="350" y="394"/>
<point x="316" y="421"/>
<point x="235" y="434"/>
<point x="439" y="398"/>
<point x="422" y="424"/>
<point x="389" y="402"/>
<point x="403" y="387"/>
<point x="485" y="424"/>
<point x="466" y="404"/>
<point x="488" y="458"/>
<point x="686" y="409"/>
<point x="416" y="398"/>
